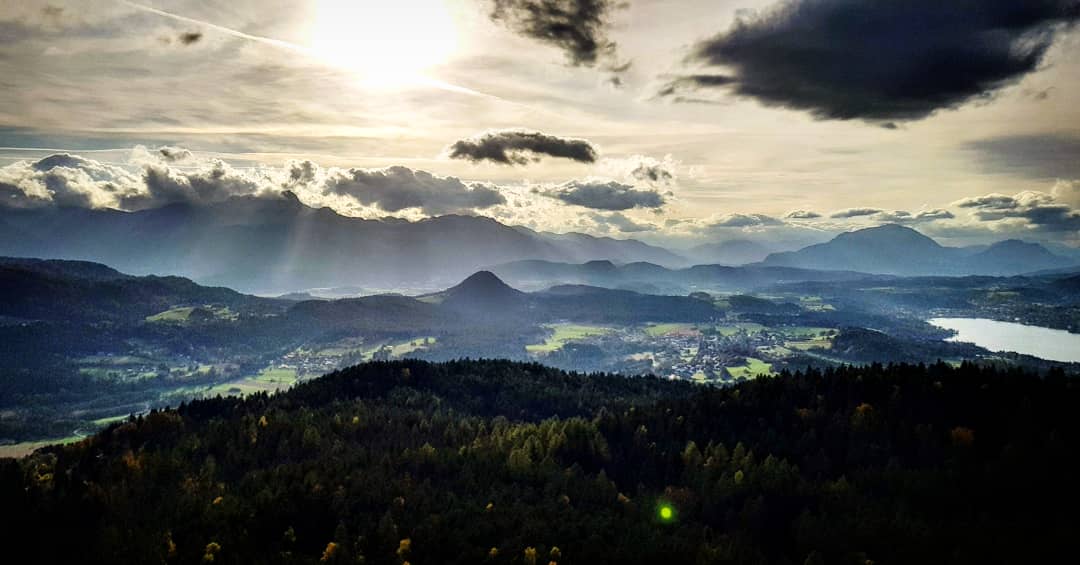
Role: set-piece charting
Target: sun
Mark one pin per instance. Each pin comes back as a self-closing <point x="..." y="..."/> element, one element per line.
<point x="383" y="41"/>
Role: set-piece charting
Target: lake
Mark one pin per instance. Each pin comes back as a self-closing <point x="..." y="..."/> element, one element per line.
<point x="1045" y="343"/>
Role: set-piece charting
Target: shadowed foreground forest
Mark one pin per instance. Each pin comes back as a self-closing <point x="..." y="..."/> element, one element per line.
<point x="501" y="462"/>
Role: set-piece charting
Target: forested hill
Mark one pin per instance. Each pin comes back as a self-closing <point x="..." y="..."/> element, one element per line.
<point x="499" y="462"/>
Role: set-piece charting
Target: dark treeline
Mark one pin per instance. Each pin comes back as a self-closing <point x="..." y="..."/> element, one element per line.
<point x="500" y="462"/>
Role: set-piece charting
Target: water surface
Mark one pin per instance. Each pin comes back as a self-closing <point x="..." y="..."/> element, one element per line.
<point x="1045" y="343"/>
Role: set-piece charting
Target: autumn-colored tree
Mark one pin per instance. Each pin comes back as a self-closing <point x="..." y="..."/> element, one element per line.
<point x="329" y="553"/>
<point x="962" y="437"/>
<point x="211" y="552"/>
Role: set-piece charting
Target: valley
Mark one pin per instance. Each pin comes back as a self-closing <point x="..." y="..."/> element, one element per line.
<point x="73" y="359"/>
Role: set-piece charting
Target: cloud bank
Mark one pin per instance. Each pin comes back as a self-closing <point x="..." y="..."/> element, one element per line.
<point x="1056" y="211"/>
<point x="70" y="180"/>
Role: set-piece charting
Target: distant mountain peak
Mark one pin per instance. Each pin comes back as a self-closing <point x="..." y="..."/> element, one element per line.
<point x="888" y="233"/>
<point x="900" y="250"/>
<point x="483" y="291"/>
<point x="1016" y="244"/>
<point x="600" y="265"/>
<point x="483" y="281"/>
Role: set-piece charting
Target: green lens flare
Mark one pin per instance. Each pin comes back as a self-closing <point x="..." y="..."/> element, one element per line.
<point x="666" y="513"/>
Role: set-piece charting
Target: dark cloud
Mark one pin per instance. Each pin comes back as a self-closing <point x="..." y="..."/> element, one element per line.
<point x="1031" y="156"/>
<point x="606" y="196"/>
<point x="190" y="37"/>
<point x="518" y="147"/>
<point x="855" y="212"/>
<point x="173" y="154"/>
<point x="578" y="27"/>
<point x="883" y="60"/>
<point x="802" y="215"/>
<point x="655" y="173"/>
<point x="994" y="201"/>
<point x="745" y="221"/>
<point x="399" y="188"/>
<point x="692" y="83"/>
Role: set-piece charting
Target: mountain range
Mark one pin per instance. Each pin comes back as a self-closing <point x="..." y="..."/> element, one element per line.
<point x="651" y="278"/>
<point x="274" y="245"/>
<point x="730" y="252"/>
<point x="899" y="250"/>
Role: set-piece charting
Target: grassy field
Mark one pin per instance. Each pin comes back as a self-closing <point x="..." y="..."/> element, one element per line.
<point x="753" y="368"/>
<point x="656" y="330"/>
<point x="102" y="422"/>
<point x="270" y="379"/>
<point x="565" y="333"/>
<point x="732" y="329"/>
<point x="183" y="314"/>
<point x="18" y="450"/>
<point x="804" y="338"/>
<point x="407" y="347"/>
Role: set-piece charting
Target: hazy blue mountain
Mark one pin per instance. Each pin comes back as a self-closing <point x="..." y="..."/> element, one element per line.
<point x="58" y="267"/>
<point x="900" y="250"/>
<point x="274" y="245"/>
<point x="67" y="291"/>
<point x="541" y="274"/>
<point x="731" y="252"/>
<point x="1014" y="256"/>
<point x="1063" y="250"/>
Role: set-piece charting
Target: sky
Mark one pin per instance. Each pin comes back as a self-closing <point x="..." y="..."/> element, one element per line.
<point x="676" y="122"/>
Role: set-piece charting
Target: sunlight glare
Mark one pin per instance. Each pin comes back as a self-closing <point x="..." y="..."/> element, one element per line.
<point x="384" y="41"/>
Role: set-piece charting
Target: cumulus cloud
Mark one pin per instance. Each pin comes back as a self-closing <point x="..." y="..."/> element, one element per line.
<point x="885" y="60"/>
<point x="905" y="217"/>
<point x="855" y="212"/>
<point x="622" y="223"/>
<point x="578" y="27"/>
<point x="935" y="214"/>
<point x="801" y="215"/>
<point x="610" y="195"/>
<point x="1052" y="212"/>
<point x="745" y="221"/>
<point x="641" y="169"/>
<point x="70" y="180"/>
<point x="520" y="147"/>
<point x="214" y="182"/>
<point x="65" y="180"/>
<point x="399" y="188"/>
